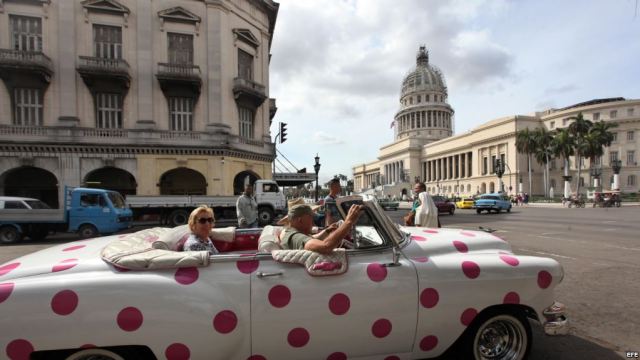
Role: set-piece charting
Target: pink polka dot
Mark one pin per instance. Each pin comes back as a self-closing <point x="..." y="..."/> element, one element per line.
<point x="469" y="234"/>
<point x="65" y="265"/>
<point x="8" y="268"/>
<point x="247" y="266"/>
<point x="74" y="248"/>
<point x="256" y="357"/>
<point x="460" y="246"/>
<point x="130" y="319"/>
<point x="339" y="304"/>
<point x="422" y="259"/>
<point x="19" y="349"/>
<point x="511" y="298"/>
<point x="187" y="275"/>
<point x="298" y="337"/>
<point x="381" y="328"/>
<point x="337" y="356"/>
<point x="64" y="302"/>
<point x="510" y="260"/>
<point x="177" y="351"/>
<point x="467" y="316"/>
<point x="279" y="296"/>
<point x="429" y="231"/>
<point x="376" y="272"/>
<point x="5" y="291"/>
<point x="418" y="238"/>
<point x="151" y="238"/>
<point x="392" y="357"/>
<point x="429" y="298"/>
<point x="470" y="269"/>
<point x="225" y="321"/>
<point x="544" y="279"/>
<point x="428" y="343"/>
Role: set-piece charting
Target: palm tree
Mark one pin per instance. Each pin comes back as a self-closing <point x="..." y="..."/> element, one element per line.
<point x="563" y="145"/>
<point x="543" y="152"/>
<point x="579" y="128"/>
<point x="598" y="137"/>
<point x="526" y="144"/>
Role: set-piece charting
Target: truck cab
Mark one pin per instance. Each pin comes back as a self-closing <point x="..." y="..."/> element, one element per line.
<point x="271" y="201"/>
<point x="95" y="211"/>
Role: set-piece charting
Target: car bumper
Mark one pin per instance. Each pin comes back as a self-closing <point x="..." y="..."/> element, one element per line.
<point x="555" y="320"/>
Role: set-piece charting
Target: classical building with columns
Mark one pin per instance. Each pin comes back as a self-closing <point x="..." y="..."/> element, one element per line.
<point x="425" y="149"/>
<point x="144" y="97"/>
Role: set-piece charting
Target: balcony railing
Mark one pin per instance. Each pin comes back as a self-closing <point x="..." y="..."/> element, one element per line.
<point x="246" y="90"/>
<point x="248" y="84"/>
<point x="179" y="71"/>
<point x="103" y="65"/>
<point x="35" y="60"/>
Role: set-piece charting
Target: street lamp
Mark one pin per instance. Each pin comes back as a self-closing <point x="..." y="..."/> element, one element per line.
<point x="499" y="166"/>
<point x="595" y="172"/>
<point x="616" y="165"/>
<point x="316" y="167"/>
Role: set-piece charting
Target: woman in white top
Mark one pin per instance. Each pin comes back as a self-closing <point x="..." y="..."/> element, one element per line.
<point x="427" y="212"/>
<point x="201" y="222"/>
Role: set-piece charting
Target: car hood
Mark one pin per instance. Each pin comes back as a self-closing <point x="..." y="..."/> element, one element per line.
<point x="435" y="242"/>
<point x="73" y="257"/>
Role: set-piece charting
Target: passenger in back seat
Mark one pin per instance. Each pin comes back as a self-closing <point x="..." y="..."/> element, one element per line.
<point x="201" y="222"/>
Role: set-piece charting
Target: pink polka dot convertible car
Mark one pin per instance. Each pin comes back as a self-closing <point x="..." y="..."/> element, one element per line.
<point x="393" y="293"/>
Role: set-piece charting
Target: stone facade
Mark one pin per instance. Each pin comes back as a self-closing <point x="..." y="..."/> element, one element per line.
<point x="135" y="94"/>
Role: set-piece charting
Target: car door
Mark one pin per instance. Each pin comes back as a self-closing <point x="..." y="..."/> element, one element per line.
<point x="368" y="310"/>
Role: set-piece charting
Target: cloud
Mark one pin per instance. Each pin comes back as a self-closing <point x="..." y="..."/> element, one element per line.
<point x="560" y="89"/>
<point x="322" y="138"/>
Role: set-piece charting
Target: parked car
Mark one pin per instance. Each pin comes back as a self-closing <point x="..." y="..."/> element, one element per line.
<point x="444" y="205"/>
<point x="465" y="203"/>
<point x="388" y="204"/>
<point x="408" y="292"/>
<point x="493" y="202"/>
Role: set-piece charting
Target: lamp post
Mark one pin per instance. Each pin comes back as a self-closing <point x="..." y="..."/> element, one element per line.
<point x="616" y="165"/>
<point x="595" y="172"/>
<point x="316" y="167"/>
<point x="499" y="166"/>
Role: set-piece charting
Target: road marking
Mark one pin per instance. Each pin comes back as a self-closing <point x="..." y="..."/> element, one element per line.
<point x="610" y="229"/>
<point x="552" y="233"/>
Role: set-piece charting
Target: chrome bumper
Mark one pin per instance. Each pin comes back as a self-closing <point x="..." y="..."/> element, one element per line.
<point x="555" y="321"/>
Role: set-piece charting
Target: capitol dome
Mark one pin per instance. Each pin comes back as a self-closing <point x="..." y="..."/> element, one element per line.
<point x="424" y="111"/>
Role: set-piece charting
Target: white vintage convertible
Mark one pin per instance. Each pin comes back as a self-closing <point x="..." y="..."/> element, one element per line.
<point x="390" y="293"/>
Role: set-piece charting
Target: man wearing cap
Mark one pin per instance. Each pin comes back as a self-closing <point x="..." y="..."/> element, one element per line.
<point x="298" y="234"/>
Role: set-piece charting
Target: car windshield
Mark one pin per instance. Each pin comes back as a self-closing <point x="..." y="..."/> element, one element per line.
<point x="116" y="200"/>
<point x="37" y="204"/>
<point x="489" y="197"/>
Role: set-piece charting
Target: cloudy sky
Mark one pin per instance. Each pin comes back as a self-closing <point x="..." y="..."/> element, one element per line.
<point x="337" y="65"/>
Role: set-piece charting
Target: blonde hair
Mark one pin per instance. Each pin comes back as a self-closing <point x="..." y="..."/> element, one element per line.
<point x="196" y="211"/>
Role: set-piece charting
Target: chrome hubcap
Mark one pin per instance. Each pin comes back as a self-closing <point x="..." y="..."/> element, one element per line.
<point x="502" y="337"/>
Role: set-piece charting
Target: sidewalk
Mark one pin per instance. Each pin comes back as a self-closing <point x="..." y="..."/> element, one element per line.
<point x="559" y="205"/>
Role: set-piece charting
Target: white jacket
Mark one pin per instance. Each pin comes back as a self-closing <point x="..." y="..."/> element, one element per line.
<point x="427" y="212"/>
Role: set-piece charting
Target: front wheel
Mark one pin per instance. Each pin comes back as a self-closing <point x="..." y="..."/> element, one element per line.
<point x="618" y="204"/>
<point x="87" y="231"/>
<point x="569" y="205"/>
<point x="178" y="217"/>
<point x="9" y="235"/>
<point x="478" y="211"/>
<point x="265" y="216"/>
<point x="498" y="335"/>
<point x="91" y="354"/>
<point x="451" y="211"/>
<point x="498" y="210"/>
<point x="509" y="209"/>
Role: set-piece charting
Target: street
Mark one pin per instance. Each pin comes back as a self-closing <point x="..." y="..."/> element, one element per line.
<point x="598" y="249"/>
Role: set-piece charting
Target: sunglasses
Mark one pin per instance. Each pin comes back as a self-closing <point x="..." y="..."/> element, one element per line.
<point x="205" y="220"/>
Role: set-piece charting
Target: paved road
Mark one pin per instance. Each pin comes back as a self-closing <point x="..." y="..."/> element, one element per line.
<point x="600" y="252"/>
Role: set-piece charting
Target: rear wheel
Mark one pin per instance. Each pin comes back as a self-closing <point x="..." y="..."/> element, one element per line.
<point x="9" y="235"/>
<point x="498" y="210"/>
<point x="87" y="231"/>
<point x="496" y="335"/>
<point x="569" y="205"/>
<point x="39" y="234"/>
<point x="452" y="210"/>
<point x="509" y="209"/>
<point x="478" y="211"/>
<point x="265" y="216"/>
<point x="178" y="217"/>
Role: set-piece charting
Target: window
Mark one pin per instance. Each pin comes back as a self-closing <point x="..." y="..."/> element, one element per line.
<point x="92" y="200"/>
<point x="419" y="98"/>
<point x="26" y="33"/>
<point x="245" y="65"/>
<point x="614" y="136"/>
<point x="596" y="116"/>
<point x="630" y="135"/>
<point x="630" y="112"/>
<point x="27" y="107"/>
<point x="613" y="114"/>
<point x="181" y="113"/>
<point x="484" y="165"/>
<point x="631" y="157"/>
<point x="246" y="122"/>
<point x="180" y="48"/>
<point x="428" y="98"/>
<point x="14" y="205"/>
<point x="581" y="181"/>
<point x="108" y="111"/>
<point x="564" y="122"/>
<point x="552" y="125"/>
<point x="631" y="180"/>
<point x="552" y="183"/>
<point x="107" y="42"/>
<point x="598" y="160"/>
<point x="613" y="156"/>
<point x="502" y="159"/>
<point x="493" y="164"/>
<point x="411" y="101"/>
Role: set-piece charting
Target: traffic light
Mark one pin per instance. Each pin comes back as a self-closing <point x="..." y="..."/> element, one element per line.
<point x="283" y="132"/>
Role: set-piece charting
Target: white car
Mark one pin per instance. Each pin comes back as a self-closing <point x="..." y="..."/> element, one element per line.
<point x="393" y="293"/>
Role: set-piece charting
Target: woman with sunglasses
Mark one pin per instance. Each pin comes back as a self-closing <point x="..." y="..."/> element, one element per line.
<point x="201" y="222"/>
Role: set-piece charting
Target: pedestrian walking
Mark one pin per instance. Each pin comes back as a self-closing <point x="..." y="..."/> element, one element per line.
<point x="247" y="209"/>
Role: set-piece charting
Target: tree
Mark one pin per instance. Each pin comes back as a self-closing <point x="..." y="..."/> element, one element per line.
<point x="596" y="140"/>
<point x="543" y="152"/>
<point x="526" y="144"/>
<point x="563" y="145"/>
<point x="579" y="129"/>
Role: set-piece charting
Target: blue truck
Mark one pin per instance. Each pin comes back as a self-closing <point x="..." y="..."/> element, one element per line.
<point x="88" y="212"/>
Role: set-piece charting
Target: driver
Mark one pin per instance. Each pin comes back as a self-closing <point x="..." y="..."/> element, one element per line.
<point x="298" y="234"/>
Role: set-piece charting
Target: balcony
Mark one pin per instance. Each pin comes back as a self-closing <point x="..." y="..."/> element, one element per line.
<point x="18" y="63"/>
<point x="102" y="74"/>
<point x="248" y="92"/>
<point x="176" y="78"/>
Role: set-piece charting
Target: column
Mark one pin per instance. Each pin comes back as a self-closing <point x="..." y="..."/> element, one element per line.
<point x="214" y="34"/>
<point x="68" y="114"/>
<point x="144" y="51"/>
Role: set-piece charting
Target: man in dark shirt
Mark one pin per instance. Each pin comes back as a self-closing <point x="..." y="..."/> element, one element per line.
<point x="331" y="213"/>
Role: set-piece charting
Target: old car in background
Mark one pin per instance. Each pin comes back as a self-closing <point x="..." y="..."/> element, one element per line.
<point x="388" y="204"/>
<point x="493" y="202"/>
<point x="444" y="205"/>
<point x="465" y="203"/>
<point x="392" y="292"/>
